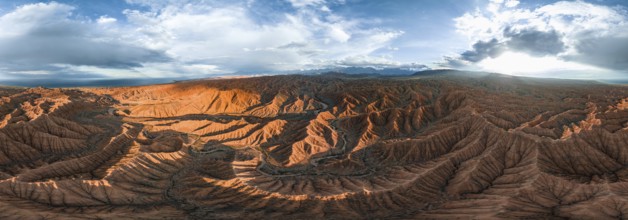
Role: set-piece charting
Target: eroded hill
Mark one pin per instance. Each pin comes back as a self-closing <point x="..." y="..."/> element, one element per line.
<point x="444" y="146"/>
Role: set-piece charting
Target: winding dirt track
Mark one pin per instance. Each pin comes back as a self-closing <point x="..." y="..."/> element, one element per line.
<point x="439" y="146"/>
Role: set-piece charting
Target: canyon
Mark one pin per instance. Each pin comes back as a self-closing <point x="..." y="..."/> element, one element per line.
<point x="433" y="145"/>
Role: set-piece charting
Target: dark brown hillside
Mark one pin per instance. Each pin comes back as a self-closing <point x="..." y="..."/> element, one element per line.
<point x="430" y="146"/>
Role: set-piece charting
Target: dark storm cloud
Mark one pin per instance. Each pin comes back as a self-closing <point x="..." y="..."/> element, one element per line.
<point x="482" y="50"/>
<point x="608" y="52"/>
<point x="42" y="37"/>
<point x="530" y="41"/>
<point x="452" y="62"/>
<point x="534" y="42"/>
<point x="75" y="50"/>
<point x="565" y="36"/>
<point x="54" y="73"/>
<point x="73" y="43"/>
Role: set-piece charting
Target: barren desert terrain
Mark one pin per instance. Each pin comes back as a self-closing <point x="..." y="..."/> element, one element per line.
<point x="435" y="145"/>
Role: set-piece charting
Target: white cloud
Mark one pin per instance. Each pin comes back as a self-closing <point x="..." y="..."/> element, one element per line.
<point x="28" y="17"/>
<point x="337" y="33"/>
<point x="511" y="3"/>
<point x="569" y="18"/>
<point x="106" y="20"/>
<point x="304" y="3"/>
<point x="47" y="39"/>
<point x="565" y="31"/>
<point x="367" y="61"/>
<point x="178" y="38"/>
<point x="525" y="65"/>
<point x="228" y="37"/>
<point x="324" y="8"/>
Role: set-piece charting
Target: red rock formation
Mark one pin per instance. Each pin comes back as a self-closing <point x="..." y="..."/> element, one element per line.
<point x="425" y="147"/>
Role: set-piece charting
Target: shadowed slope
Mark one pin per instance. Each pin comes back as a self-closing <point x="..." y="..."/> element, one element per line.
<point x="436" y="146"/>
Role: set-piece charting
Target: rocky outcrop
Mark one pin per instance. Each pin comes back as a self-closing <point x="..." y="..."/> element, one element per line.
<point x="435" y="147"/>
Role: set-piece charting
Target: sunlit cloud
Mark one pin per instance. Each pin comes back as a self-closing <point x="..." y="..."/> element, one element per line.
<point x="181" y="38"/>
<point x="192" y="39"/>
<point x="563" y="36"/>
<point x="522" y="64"/>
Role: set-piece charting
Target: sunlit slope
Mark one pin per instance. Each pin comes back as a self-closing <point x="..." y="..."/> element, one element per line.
<point x="434" y="145"/>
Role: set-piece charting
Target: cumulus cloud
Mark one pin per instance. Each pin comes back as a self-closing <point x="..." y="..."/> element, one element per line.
<point x="106" y="20"/>
<point x="183" y="38"/>
<point x="569" y="31"/>
<point x="511" y="3"/>
<point x="42" y="37"/>
<point x="232" y="38"/>
<point x="535" y="42"/>
<point x="609" y="52"/>
<point x="482" y="50"/>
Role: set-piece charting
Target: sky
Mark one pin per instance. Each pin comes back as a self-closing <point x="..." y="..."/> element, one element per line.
<point x="79" y="39"/>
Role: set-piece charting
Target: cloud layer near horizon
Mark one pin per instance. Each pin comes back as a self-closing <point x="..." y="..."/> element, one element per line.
<point x="151" y="38"/>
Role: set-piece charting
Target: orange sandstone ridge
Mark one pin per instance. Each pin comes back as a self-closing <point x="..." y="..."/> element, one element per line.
<point x="437" y="146"/>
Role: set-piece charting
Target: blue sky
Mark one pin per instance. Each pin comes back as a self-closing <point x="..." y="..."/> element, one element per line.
<point x="191" y="39"/>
